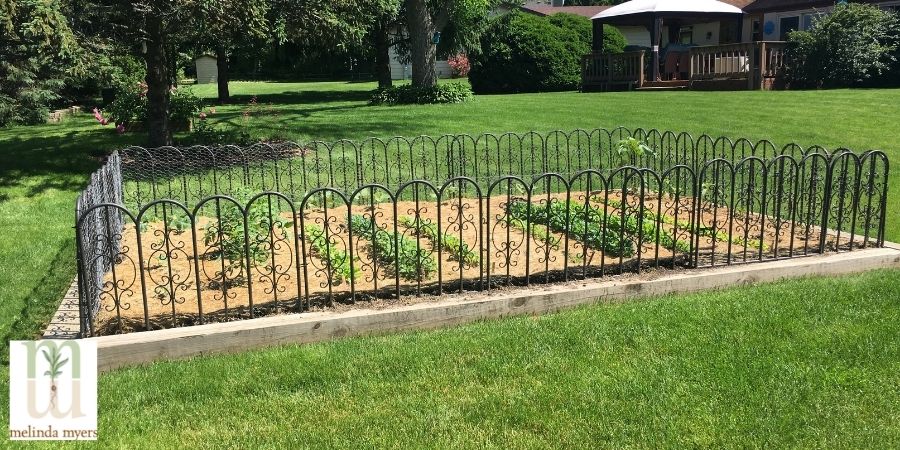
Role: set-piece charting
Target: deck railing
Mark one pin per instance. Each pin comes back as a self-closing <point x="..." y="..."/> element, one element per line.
<point x="771" y="65"/>
<point x="760" y="64"/>
<point x="722" y="61"/>
<point x="607" y="69"/>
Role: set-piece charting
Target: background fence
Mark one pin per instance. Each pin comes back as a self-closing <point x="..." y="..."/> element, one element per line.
<point x="177" y="236"/>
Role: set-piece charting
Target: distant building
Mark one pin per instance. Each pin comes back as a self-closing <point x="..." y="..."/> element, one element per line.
<point x="207" y="69"/>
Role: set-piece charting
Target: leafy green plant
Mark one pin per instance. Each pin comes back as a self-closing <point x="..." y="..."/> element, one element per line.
<point x="853" y="45"/>
<point x="459" y="251"/>
<point x="174" y="221"/>
<point x="630" y="149"/>
<point x="583" y="225"/>
<point x="409" y="262"/>
<point x="409" y="94"/>
<point x="719" y="235"/>
<point x="537" y="231"/>
<point x="184" y="105"/>
<point x="227" y="240"/>
<point x="130" y="105"/>
<point x="339" y="266"/>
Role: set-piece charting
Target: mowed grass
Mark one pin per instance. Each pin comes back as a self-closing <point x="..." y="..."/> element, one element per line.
<point x="803" y="363"/>
<point x="42" y="169"/>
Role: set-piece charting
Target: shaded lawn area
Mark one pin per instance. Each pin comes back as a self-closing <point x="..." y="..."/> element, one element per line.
<point x="803" y="363"/>
<point x="42" y="169"/>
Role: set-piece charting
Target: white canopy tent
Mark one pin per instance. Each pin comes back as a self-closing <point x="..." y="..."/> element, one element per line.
<point x="663" y="7"/>
<point x="651" y="13"/>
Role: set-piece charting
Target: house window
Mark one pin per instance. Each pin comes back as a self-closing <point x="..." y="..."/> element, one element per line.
<point x="728" y="31"/>
<point x="893" y="7"/>
<point x="789" y="24"/>
<point x="757" y="29"/>
<point x="686" y="35"/>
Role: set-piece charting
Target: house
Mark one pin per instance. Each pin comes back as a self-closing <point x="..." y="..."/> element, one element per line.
<point x="777" y="18"/>
<point x="700" y="44"/>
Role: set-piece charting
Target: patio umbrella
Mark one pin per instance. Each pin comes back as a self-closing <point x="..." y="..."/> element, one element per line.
<point x="650" y="13"/>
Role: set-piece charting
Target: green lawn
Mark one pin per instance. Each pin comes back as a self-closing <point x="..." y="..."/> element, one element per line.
<point x="42" y="169"/>
<point x="805" y="363"/>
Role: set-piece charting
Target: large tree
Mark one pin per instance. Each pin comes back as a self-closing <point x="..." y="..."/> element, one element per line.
<point x="37" y="49"/>
<point x="151" y="29"/>
<point x="225" y="24"/>
<point x="425" y="18"/>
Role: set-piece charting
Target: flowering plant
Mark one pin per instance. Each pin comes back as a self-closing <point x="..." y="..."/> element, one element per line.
<point x="130" y="106"/>
<point x="459" y="65"/>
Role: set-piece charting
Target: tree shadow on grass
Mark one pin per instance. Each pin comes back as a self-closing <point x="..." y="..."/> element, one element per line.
<point x="32" y="163"/>
<point x="306" y="97"/>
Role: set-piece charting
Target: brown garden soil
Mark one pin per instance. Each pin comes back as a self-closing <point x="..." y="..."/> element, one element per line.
<point x="170" y="283"/>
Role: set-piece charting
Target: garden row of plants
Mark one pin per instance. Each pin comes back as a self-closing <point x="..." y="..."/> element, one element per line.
<point x="338" y="263"/>
<point x="717" y="234"/>
<point x="410" y="261"/>
<point x="614" y="234"/>
<point x="459" y="250"/>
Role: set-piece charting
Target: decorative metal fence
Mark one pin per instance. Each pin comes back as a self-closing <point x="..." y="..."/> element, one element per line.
<point x="179" y="236"/>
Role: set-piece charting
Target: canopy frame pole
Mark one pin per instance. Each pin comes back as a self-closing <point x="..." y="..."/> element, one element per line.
<point x="656" y="30"/>
<point x="598" y="36"/>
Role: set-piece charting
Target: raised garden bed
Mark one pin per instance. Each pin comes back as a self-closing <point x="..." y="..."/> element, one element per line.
<point x="170" y="237"/>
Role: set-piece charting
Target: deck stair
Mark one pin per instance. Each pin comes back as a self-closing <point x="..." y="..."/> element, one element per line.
<point x="674" y="85"/>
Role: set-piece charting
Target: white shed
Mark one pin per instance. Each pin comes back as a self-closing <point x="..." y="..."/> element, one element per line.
<point x="207" y="69"/>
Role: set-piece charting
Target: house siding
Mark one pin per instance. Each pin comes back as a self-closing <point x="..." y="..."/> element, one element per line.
<point x="400" y="71"/>
<point x="775" y="17"/>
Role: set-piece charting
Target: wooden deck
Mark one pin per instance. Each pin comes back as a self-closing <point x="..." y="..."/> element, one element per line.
<point x="745" y="66"/>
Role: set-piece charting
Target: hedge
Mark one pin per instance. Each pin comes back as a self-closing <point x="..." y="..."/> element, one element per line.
<point x="522" y="52"/>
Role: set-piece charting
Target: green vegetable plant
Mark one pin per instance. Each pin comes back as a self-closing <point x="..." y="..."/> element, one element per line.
<point x="582" y="225"/>
<point x="175" y="221"/>
<point x="719" y="235"/>
<point x="409" y="262"/>
<point x="339" y="266"/>
<point x="227" y="241"/>
<point x="631" y="149"/>
<point x="459" y="251"/>
<point x="537" y="231"/>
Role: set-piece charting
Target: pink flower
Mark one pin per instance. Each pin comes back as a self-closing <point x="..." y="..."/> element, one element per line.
<point x="104" y="121"/>
<point x="202" y="115"/>
<point x="120" y="128"/>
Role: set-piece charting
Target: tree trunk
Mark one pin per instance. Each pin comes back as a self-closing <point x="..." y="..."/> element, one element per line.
<point x="422" y="52"/>
<point x="383" y="56"/>
<point x="222" y="75"/>
<point x="157" y="84"/>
